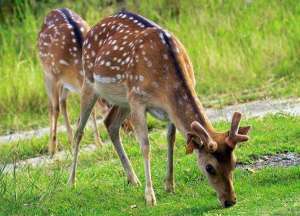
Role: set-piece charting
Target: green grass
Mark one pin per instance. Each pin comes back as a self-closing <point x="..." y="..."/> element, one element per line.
<point x="102" y="186"/>
<point x="241" y="50"/>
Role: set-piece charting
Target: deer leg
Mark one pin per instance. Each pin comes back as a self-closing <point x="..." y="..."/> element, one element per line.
<point x="140" y="126"/>
<point x="63" y="107"/>
<point x="96" y="134"/>
<point x="87" y="102"/>
<point x="113" y="122"/>
<point x="169" y="182"/>
<point x="53" y="106"/>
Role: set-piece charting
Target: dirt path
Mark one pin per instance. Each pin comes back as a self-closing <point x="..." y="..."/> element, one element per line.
<point x="252" y="109"/>
<point x="44" y="160"/>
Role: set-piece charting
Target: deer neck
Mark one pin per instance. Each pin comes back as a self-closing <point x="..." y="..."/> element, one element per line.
<point x="185" y="108"/>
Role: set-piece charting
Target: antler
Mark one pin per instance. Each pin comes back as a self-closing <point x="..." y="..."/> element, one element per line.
<point x="234" y="135"/>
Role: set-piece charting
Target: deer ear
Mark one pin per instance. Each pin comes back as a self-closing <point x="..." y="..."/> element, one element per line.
<point x="244" y="130"/>
<point x="190" y="145"/>
<point x="205" y="138"/>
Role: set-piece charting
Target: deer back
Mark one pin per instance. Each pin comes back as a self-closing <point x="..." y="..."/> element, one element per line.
<point x="130" y="51"/>
<point x="60" y="45"/>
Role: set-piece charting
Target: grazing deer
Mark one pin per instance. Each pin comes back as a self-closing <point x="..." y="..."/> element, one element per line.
<point x="139" y="67"/>
<point x="60" y="49"/>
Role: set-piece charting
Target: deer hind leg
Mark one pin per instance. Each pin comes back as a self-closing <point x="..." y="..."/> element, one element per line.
<point x="94" y="124"/>
<point x="87" y="102"/>
<point x="113" y="122"/>
<point x="63" y="107"/>
<point x="169" y="182"/>
<point x="139" y="122"/>
<point x="53" y="107"/>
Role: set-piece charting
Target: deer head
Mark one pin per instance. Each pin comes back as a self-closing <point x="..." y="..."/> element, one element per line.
<point x="215" y="154"/>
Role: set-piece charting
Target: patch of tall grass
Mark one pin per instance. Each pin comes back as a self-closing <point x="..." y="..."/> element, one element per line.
<point x="241" y="50"/>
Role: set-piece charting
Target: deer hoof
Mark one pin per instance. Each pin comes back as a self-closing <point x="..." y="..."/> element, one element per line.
<point x="150" y="197"/>
<point x="134" y="181"/>
<point x="170" y="187"/>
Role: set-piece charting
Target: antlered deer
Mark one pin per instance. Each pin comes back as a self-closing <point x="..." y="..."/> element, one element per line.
<point x="60" y="49"/>
<point x="139" y="67"/>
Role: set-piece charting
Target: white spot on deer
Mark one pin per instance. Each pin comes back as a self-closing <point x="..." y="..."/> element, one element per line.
<point x="75" y="48"/>
<point x="141" y="78"/>
<point x="127" y="59"/>
<point x="93" y="53"/>
<point x="82" y="29"/>
<point x="113" y="42"/>
<point x="115" y="47"/>
<point x="162" y="38"/>
<point x="149" y="64"/>
<point x="108" y="63"/>
<point x="165" y="56"/>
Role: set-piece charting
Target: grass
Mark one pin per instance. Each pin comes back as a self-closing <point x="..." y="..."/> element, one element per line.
<point x="102" y="188"/>
<point x="241" y="50"/>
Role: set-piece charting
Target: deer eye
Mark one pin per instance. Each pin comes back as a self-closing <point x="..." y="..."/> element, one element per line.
<point x="210" y="169"/>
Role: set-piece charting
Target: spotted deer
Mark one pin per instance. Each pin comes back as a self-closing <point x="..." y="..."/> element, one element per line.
<point x="140" y="67"/>
<point x="60" y="48"/>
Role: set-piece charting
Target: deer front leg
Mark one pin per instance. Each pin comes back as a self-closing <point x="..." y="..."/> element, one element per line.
<point x="96" y="134"/>
<point x="141" y="130"/>
<point x="63" y="107"/>
<point x="169" y="182"/>
<point x="113" y="122"/>
<point x="87" y="102"/>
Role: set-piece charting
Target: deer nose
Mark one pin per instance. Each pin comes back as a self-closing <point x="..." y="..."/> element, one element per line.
<point x="229" y="203"/>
